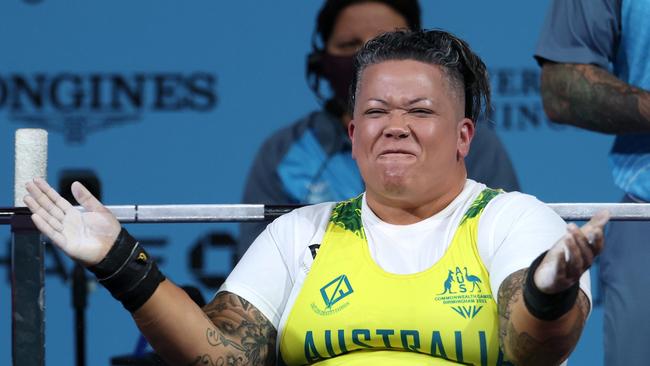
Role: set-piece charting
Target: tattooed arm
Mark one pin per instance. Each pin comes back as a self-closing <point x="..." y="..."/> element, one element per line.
<point x="227" y="331"/>
<point x="527" y="340"/>
<point x="589" y="97"/>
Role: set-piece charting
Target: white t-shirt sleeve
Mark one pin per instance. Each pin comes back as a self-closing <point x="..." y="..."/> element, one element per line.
<point x="262" y="276"/>
<point x="515" y="229"/>
<point x="267" y="272"/>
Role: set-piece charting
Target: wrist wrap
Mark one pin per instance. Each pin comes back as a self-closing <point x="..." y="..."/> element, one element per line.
<point x="128" y="272"/>
<point x="547" y="306"/>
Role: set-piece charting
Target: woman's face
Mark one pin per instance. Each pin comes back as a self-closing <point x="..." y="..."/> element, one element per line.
<point x="409" y="134"/>
<point x="358" y="23"/>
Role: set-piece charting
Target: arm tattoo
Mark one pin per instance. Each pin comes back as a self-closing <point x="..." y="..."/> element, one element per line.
<point x="241" y="333"/>
<point x="204" y="360"/>
<point x="531" y="351"/>
<point x="589" y="97"/>
<point x="509" y="291"/>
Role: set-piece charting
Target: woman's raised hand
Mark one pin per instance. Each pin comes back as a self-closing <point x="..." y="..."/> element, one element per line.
<point x="83" y="236"/>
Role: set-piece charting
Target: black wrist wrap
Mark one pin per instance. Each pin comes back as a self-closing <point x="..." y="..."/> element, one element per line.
<point x="547" y="306"/>
<point x="128" y="272"/>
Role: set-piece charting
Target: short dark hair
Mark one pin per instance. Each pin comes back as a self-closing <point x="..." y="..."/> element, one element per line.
<point x="329" y="13"/>
<point x="464" y="69"/>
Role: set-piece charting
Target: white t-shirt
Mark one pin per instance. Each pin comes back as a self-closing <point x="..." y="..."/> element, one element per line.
<point x="513" y="230"/>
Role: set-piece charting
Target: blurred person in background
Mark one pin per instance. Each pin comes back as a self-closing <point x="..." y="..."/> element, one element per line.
<point x="310" y="161"/>
<point x="596" y="76"/>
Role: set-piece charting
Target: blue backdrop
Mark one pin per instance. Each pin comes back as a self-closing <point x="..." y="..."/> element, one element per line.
<point x="168" y="101"/>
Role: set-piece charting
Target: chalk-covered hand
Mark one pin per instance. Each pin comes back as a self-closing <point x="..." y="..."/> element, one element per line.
<point x="572" y="255"/>
<point x="86" y="237"/>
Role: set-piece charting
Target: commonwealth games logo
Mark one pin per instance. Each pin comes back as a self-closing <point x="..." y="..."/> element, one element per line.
<point x="463" y="291"/>
<point x="332" y="293"/>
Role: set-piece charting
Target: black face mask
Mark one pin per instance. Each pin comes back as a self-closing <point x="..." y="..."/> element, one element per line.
<point x="339" y="72"/>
